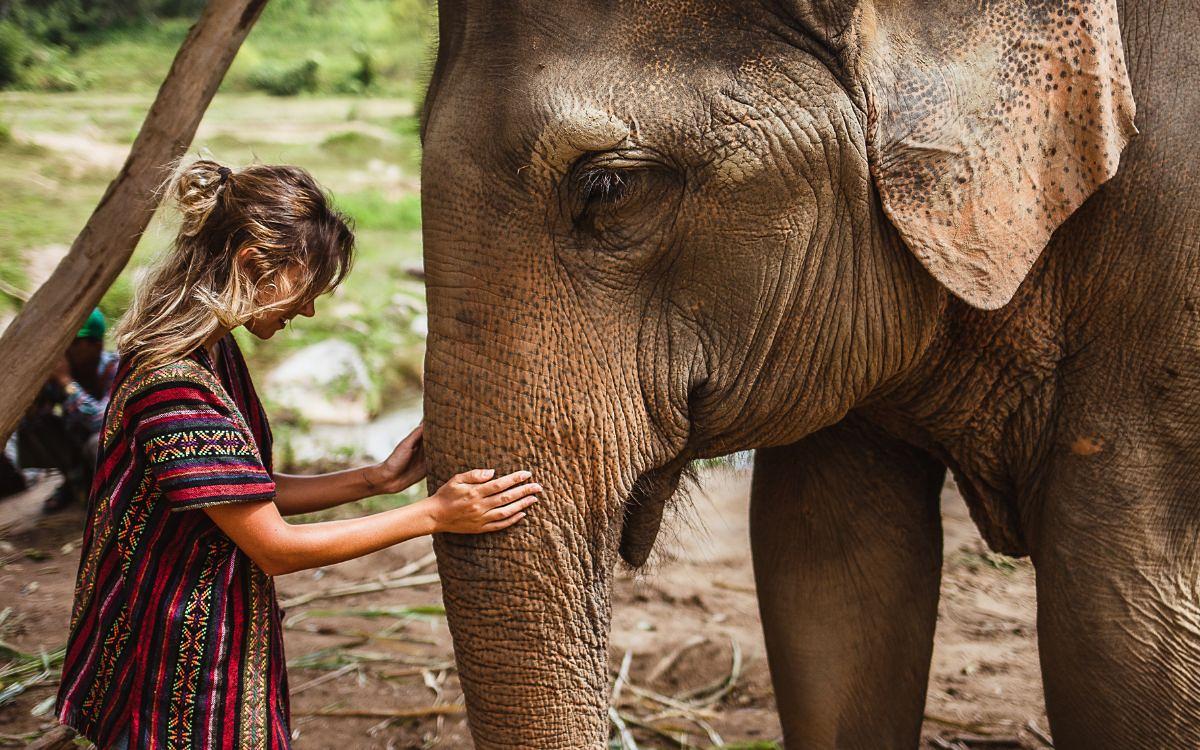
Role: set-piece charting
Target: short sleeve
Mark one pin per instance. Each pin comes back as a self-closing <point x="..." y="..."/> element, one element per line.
<point x="198" y="454"/>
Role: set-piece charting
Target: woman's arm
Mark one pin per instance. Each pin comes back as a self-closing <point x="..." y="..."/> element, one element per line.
<point x="467" y="504"/>
<point x="295" y="493"/>
<point x="405" y="467"/>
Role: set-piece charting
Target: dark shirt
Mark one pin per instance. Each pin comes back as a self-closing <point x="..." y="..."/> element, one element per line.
<point x="85" y="409"/>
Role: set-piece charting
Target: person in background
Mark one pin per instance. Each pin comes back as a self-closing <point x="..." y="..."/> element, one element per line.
<point x="11" y="479"/>
<point x="61" y="430"/>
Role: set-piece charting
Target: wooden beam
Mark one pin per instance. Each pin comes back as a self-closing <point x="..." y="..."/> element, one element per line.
<point x="46" y="324"/>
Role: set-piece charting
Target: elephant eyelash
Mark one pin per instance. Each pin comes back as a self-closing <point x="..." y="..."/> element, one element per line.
<point x="614" y="199"/>
<point x="603" y="186"/>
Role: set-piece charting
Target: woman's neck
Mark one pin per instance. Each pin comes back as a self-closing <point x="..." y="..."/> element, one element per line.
<point x="211" y="343"/>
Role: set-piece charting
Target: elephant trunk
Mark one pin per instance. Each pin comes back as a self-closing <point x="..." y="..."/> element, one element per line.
<point x="528" y="607"/>
<point x="529" y="612"/>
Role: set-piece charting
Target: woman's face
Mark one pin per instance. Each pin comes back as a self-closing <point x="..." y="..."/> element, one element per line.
<point x="271" y="320"/>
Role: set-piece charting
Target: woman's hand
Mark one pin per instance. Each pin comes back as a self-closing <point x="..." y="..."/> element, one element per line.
<point x="401" y="470"/>
<point x="470" y="504"/>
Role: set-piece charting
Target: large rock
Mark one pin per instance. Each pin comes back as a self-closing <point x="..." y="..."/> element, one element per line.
<point x="324" y="383"/>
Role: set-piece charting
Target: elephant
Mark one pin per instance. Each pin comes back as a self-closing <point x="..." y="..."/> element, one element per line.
<point x="873" y="241"/>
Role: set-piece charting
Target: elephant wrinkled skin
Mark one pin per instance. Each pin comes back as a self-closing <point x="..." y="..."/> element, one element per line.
<point x="872" y="239"/>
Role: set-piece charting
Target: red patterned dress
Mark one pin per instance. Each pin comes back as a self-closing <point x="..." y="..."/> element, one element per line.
<point x="176" y="639"/>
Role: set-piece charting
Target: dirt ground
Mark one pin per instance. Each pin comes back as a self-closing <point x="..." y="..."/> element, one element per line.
<point x="389" y="651"/>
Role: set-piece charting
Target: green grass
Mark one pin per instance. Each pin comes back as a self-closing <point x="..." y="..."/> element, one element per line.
<point x="373" y="210"/>
<point x="42" y="206"/>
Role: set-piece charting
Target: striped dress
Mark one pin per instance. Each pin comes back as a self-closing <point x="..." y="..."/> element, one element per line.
<point x="175" y="639"/>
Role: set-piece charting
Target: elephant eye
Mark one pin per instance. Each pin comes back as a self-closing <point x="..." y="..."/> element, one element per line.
<point x="600" y="191"/>
<point x="620" y="201"/>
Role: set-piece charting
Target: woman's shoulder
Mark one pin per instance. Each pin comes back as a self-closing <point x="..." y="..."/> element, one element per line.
<point x="180" y="381"/>
<point x="183" y="372"/>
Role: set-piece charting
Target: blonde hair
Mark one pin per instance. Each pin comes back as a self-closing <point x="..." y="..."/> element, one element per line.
<point x="239" y="231"/>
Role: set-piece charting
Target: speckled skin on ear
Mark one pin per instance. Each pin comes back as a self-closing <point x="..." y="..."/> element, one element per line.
<point x="990" y="123"/>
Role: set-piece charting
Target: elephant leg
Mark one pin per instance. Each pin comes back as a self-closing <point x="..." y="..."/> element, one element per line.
<point x="1119" y="609"/>
<point x="846" y="532"/>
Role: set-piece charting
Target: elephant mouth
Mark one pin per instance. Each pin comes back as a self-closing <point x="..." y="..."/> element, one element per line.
<point x="644" y="509"/>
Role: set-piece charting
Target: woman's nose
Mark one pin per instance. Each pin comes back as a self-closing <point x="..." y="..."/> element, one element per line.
<point x="309" y="310"/>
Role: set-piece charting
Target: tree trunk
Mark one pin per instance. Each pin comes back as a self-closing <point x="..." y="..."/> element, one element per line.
<point x="45" y="325"/>
<point x="59" y="738"/>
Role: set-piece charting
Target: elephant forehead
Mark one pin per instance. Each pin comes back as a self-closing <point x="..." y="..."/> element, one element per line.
<point x="771" y="117"/>
<point x="729" y="122"/>
<point x="573" y="126"/>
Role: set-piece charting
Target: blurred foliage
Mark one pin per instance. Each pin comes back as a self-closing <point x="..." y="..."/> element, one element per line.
<point x="297" y="47"/>
<point x="70" y="22"/>
<point x="14" y="53"/>
<point x="360" y="80"/>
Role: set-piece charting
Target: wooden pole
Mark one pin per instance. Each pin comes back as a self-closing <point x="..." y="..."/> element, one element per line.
<point x="46" y="324"/>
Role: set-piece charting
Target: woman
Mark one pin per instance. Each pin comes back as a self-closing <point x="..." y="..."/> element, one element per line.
<point x="175" y="633"/>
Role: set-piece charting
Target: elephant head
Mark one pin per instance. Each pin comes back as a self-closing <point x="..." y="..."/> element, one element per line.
<point x="670" y="229"/>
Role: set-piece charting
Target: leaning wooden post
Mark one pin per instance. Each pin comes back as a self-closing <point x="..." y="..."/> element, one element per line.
<point x="59" y="738"/>
<point x="45" y="325"/>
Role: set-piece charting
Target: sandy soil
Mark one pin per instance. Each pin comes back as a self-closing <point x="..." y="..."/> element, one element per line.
<point x="696" y="601"/>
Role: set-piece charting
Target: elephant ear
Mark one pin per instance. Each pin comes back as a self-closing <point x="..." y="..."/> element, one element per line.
<point x="989" y="122"/>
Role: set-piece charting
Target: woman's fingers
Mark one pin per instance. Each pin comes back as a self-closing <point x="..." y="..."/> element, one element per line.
<point x="511" y="495"/>
<point x="506" y="511"/>
<point x="504" y="482"/>
<point x="504" y="523"/>
<point x="474" y="476"/>
<point x="487" y="484"/>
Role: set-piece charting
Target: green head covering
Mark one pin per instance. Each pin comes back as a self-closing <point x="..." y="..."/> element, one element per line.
<point x="94" y="327"/>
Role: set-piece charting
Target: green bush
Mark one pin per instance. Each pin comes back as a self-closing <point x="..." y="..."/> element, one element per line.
<point x="54" y="77"/>
<point x="64" y="22"/>
<point x="178" y="8"/>
<point x="67" y="22"/>
<point x="362" y="76"/>
<point x="14" y="52"/>
<point x="6" y="136"/>
<point x="365" y="72"/>
<point x="286" y="81"/>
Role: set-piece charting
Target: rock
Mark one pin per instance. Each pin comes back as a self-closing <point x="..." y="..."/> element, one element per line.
<point x="327" y="383"/>
<point x="420" y="325"/>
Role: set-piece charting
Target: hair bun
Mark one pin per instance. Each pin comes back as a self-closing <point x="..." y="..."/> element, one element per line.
<point x="196" y="190"/>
